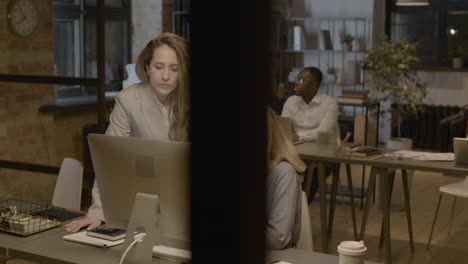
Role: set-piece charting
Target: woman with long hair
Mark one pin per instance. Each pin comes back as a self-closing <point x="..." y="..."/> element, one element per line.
<point x="156" y="108"/>
<point x="283" y="203"/>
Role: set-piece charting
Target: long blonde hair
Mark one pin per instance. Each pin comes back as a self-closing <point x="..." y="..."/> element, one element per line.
<point x="179" y="99"/>
<point x="279" y="147"/>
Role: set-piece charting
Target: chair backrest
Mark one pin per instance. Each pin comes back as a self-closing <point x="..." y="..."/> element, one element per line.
<point x="305" y="239"/>
<point x="67" y="193"/>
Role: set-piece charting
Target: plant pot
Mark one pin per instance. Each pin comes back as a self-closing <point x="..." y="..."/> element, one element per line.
<point x="331" y="78"/>
<point x="457" y="63"/>
<point x="400" y="143"/>
<point x="347" y="46"/>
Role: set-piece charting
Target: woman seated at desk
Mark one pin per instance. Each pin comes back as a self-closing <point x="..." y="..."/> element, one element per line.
<point x="283" y="201"/>
<point x="157" y="108"/>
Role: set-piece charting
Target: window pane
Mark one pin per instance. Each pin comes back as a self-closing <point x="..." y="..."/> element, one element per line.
<point x="116" y="52"/>
<point x="456" y="30"/>
<point x="114" y="3"/>
<point x="66" y="48"/>
<point x="420" y="28"/>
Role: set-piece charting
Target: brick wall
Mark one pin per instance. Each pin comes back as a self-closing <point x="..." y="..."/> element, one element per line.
<point x="25" y="134"/>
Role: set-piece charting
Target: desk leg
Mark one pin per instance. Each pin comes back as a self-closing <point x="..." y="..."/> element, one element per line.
<point x="362" y="184"/>
<point x="323" y="206"/>
<point x="386" y="215"/>
<point x="408" y="208"/>
<point x="331" y="213"/>
<point x="370" y="191"/>
<point x="351" y="198"/>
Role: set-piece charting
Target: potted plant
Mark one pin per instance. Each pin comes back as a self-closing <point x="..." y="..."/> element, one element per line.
<point x="393" y="67"/>
<point x="331" y="74"/>
<point x="347" y="41"/>
<point x="457" y="56"/>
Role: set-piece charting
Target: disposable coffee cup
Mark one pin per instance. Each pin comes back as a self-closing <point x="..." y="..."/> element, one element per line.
<point x="351" y="252"/>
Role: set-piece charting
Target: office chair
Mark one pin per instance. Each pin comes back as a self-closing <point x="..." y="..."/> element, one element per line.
<point x="459" y="189"/>
<point x="67" y="193"/>
<point x="305" y="239"/>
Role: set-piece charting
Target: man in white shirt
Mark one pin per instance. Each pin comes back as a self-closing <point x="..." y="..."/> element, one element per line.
<point x="314" y="115"/>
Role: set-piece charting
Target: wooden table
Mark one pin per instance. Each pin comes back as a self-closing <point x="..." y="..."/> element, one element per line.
<point x="327" y="153"/>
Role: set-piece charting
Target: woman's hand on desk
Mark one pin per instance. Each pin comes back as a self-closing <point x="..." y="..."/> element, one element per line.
<point x="75" y="226"/>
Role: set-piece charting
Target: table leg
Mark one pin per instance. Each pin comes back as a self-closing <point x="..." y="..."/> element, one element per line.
<point x="408" y="207"/>
<point x="331" y="213"/>
<point x="370" y="190"/>
<point x="323" y="206"/>
<point x="386" y="214"/>
<point x="391" y="182"/>
<point x="362" y="184"/>
<point x="351" y="198"/>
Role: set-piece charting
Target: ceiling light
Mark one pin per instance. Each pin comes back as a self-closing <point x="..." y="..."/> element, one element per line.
<point x="412" y="3"/>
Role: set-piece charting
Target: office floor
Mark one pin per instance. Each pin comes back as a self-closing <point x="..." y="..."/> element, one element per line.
<point x="448" y="249"/>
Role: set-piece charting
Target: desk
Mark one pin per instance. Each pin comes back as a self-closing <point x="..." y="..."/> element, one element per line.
<point x="298" y="256"/>
<point x="49" y="247"/>
<point x="325" y="153"/>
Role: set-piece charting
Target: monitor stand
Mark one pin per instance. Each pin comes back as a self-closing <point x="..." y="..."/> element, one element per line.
<point x="143" y="219"/>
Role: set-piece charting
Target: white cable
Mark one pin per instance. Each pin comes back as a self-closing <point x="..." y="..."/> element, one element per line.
<point x="128" y="248"/>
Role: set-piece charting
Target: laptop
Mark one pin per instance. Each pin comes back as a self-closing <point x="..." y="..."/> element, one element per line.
<point x="460" y="148"/>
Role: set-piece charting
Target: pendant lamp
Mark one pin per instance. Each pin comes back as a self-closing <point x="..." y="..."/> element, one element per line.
<point x="412" y="3"/>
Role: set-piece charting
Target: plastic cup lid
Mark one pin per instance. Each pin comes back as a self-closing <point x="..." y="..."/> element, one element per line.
<point x="352" y="248"/>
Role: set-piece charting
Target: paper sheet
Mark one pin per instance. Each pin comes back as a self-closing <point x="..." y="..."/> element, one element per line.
<point x="425" y="156"/>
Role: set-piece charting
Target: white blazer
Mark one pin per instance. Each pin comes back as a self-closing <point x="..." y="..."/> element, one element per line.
<point x="136" y="113"/>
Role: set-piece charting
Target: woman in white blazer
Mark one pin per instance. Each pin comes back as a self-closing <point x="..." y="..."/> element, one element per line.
<point x="157" y="108"/>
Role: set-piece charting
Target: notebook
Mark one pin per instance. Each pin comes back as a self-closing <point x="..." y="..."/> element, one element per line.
<point x="460" y="148"/>
<point x="81" y="237"/>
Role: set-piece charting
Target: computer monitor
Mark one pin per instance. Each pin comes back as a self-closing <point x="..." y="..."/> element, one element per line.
<point x="124" y="166"/>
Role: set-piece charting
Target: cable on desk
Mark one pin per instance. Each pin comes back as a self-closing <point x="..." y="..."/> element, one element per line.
<point x="128" y="248"/>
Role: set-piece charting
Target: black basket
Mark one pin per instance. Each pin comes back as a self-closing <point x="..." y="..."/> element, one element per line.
<point x="20" y="217"/>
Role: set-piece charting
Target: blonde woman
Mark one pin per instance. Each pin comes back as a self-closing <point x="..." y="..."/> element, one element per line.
<point x="284" y="202"/>
<point x="156" y="108"/>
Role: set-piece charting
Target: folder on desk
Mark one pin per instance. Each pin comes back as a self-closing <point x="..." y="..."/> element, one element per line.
<point x="82" y="238"/>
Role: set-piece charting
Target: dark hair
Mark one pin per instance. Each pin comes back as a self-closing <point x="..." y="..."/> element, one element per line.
<point x="316" y="72"/>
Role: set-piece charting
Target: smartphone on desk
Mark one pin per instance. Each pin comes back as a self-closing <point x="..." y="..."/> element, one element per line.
<point x="107" y="233"/>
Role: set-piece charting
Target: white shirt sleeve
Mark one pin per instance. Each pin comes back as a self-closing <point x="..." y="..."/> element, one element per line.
<point x="283" y="207"/>
<point x="328" y="124"/>
<point x="288" y="108"/>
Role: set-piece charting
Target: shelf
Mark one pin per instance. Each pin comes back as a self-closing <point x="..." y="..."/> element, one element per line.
<point x="328" y="19"/>
<point x="324" y="51"/>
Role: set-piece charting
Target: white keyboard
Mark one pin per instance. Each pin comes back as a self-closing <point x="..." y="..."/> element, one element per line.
<point x="177" y="254"/>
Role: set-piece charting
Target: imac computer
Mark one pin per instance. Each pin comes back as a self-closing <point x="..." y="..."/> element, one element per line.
<point x="125" y="167"/>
